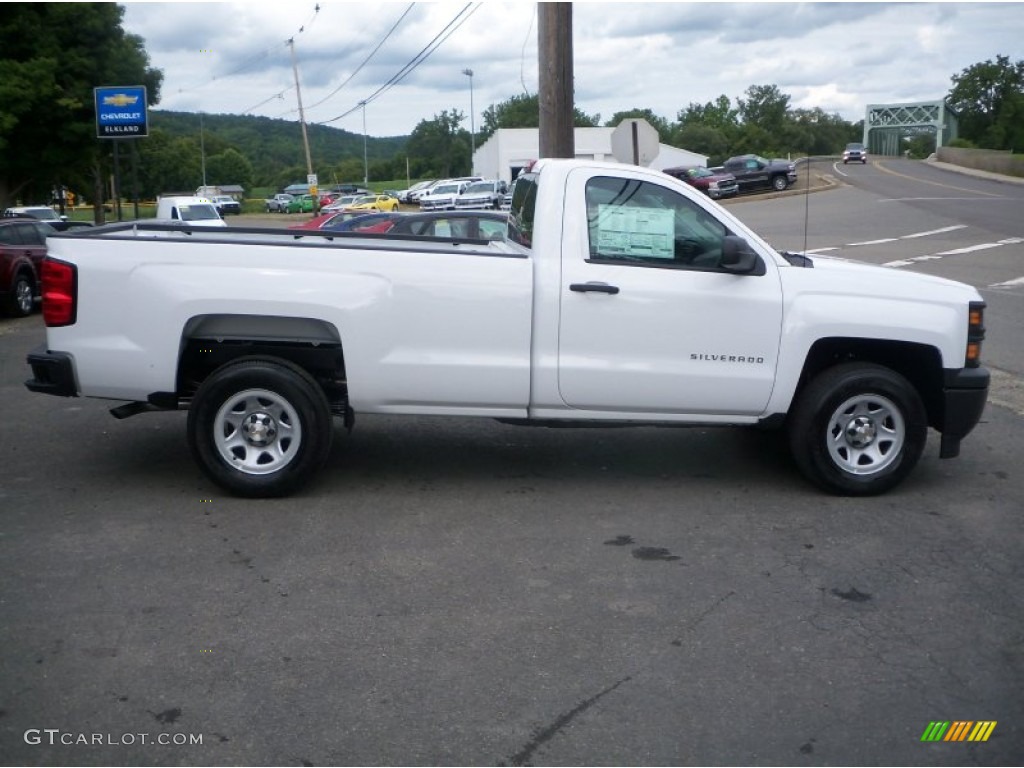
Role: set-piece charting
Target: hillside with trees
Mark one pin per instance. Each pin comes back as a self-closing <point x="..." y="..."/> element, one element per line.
<point x="256" y="152"/>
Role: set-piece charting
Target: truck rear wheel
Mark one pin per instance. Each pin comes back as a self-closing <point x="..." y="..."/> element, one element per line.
<point x="260" y="427"/>
<point x="858" y="429"/>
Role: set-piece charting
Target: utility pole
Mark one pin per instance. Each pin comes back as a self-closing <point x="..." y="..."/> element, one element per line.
<point x="302" y="117"/>
<point x="554" y="53"/>
<point x="202" y="151"/>
<point x="366" y="165"/>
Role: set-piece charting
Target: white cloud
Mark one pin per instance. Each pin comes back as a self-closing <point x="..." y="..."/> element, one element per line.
<point x="230" y="57"/>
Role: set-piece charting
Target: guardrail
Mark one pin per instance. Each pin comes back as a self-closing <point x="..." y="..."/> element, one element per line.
<point x="991" y="160"/>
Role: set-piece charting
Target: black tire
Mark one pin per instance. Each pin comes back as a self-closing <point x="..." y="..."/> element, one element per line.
<point x="21" y="300"/>
<point x="857" y="429"/>
<point x="779" y="183"/>
<point x="260" y="427"/>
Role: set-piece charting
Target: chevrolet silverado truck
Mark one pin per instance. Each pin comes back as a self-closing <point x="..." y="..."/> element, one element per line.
<point x="620" y="296"/>
<point x="753" y="172"/>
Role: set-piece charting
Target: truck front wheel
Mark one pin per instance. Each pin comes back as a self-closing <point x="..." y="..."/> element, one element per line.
<point x="260" y="427"/>
<point x="858" y="429"/>
<point x="779" y="183"/>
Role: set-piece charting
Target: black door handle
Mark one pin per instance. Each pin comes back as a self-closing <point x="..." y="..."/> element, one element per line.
<point x="594" y="288"/>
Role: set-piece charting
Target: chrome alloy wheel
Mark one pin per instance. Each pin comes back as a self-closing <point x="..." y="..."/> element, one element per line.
<point x="865" y="434"/>
<point x="257" y="432"/>
<point x="23" y="296"/>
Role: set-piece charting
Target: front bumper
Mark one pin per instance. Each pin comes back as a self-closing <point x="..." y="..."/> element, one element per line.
<point x="963" y="400"/>
<point x="53" y="373"/>
<point x="723" y="190"/>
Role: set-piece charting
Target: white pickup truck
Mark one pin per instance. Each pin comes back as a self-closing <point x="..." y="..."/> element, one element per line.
<point x="621" y="295"/>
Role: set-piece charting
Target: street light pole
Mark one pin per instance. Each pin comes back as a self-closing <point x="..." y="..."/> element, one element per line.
<point x="472" y="124"/>
<point x="366" y="167"/>
<point x="202" y="151"/>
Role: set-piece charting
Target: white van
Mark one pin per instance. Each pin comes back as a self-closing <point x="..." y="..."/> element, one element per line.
<point x="196" y="211"/>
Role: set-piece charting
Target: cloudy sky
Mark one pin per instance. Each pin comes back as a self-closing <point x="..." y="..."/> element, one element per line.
<point x="406" y="60"/>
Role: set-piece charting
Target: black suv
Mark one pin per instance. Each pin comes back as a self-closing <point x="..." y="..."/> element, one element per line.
<point x="22" y="249"/>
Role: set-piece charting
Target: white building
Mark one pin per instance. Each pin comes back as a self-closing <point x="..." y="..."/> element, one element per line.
<point x="509" y="150"/>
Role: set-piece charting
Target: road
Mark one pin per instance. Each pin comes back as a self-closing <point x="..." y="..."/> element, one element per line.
<point x="911" y="215"/>
<point x="465" y="592"/>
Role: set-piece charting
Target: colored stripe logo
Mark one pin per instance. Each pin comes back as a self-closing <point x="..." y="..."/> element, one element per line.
<point x="958" y="730"/>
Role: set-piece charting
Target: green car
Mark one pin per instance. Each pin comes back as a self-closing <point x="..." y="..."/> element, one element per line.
<point x="301" y="204"/>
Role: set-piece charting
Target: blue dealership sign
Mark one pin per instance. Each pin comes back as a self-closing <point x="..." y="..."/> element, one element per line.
<point x="121" y="112"/>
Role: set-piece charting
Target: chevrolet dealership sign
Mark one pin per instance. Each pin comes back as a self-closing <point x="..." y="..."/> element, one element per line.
<point x="121" y="112"/>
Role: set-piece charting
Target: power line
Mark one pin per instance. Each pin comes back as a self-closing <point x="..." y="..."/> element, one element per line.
<point x="448" y="30"/>
<point x="367" y="59"/>
<point x="271" y="98"/>
<point x="256" y="59"/>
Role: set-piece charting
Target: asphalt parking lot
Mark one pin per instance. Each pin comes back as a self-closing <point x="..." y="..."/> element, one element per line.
<point x="464" y="592"/>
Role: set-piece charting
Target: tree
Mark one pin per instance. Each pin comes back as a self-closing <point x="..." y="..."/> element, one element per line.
<point x="660" y="124"/>
<point x="438" y="148"/>
<point x="815" y="132"/>
<point x="989" y="100"/>
<point x="765" y="106"/>
<point x="718" y="114"/>
<point x="229" y="167"/>
<point x="703" y="140"/>
<point x="52" y="55"/>
<point x="523" y="111"/>
<point x="168" y="164"/>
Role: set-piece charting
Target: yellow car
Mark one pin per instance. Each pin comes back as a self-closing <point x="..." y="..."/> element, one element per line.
<point x="374" y="203"/>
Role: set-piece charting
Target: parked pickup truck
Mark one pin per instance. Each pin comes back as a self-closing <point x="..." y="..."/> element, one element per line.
<point x="754" y="172"/>
<point x="278" y="203"/>
<point x="621" y="295"/>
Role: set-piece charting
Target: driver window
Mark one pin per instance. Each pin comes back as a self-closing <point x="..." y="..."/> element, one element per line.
<point x="641" y="223"/>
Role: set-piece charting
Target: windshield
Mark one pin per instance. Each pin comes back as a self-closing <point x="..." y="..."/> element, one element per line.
<point x="483" y="186"/>
<point x="366" y="199"/>
<point x="447" y="189"/>
<point x="197" y="212"/>
<point x="699" y="173"/>
<point x="46" y="214"/>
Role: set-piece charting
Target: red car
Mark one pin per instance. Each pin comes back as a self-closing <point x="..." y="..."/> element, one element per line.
<point x="332" y="220"/>
<point x="714" y="185"/>
<point x="317" y="221"/>
<point x="22" y="249"/>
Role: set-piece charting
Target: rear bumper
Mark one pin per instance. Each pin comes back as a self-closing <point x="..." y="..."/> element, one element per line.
<point x="963" y="397"/>
<point x="53" y="373"/>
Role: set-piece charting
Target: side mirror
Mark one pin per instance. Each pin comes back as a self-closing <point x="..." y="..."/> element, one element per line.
<point x="738" y="258"/>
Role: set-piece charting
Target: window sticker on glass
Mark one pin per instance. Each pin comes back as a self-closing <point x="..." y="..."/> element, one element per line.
<point x="638" y="232"/>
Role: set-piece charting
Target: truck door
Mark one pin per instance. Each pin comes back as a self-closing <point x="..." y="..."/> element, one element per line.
<point x="757" y="174"/>
<point x="649" y="320"/>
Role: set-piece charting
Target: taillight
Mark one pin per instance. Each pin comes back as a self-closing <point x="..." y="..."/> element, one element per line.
<point x="60" y="292"/>
<point x="975" y="333"/>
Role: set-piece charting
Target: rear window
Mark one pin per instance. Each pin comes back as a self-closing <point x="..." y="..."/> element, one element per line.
<point x="9" y="235"/>
<point x="197" y="212"/>
<point x="521" y="215"/>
